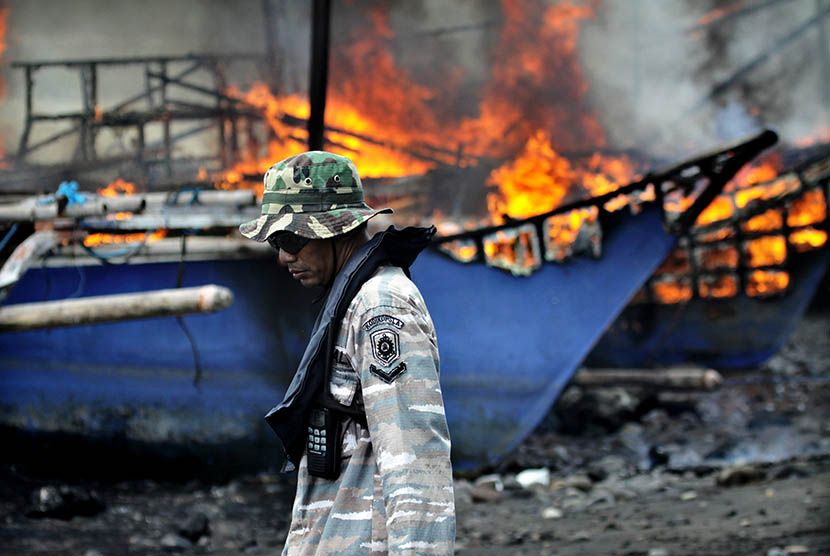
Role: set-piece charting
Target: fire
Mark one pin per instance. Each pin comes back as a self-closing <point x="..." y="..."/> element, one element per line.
<point x="718" y="286"/>
<point x="768" y="221"/>
<point x="722" y="256"/>
<point x="563" y="230"/>
<point x="767" y="282"/>
<point x="390" y="125"/>
<point x="92" y="240"/>
<point x="535" y="77"/>
<point x="766" y="251"/>
<point x="534" y="183"/>
<point x="461" y="250"/>
<point x="792" y="224"/>
<point x="514" y="250"/>
<point x="539" y="179"/>
<point x="810" y="208"/>
<point x="719" y="209"/>
<point x="808" y="239"/>
<point x="762" y="171"/>
<point x="676" y="263"/>
<point x="668" y="290"/>
<point x="118" y="187"/>
<point x="765" y="192"/>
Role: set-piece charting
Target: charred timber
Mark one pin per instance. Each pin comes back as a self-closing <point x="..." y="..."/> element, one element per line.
<point x="678" y="378"/>
<point x="135" y="118"/>
<point x="124" y="61"/>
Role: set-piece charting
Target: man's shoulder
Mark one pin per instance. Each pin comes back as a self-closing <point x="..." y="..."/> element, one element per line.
<point x="390" y="287"/>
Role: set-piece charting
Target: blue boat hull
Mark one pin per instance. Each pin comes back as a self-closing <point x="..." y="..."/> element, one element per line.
<point x="734" y="333"/>
<point x="508" y="346"/>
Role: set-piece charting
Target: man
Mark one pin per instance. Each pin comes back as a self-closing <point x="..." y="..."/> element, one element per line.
<point x="363" y="418"/>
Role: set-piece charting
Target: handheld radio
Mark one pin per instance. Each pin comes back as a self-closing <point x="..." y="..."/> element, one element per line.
<point x="323" y="443"/>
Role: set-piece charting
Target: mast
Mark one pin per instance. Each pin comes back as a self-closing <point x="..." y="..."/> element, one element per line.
<point x="318" y="78"/>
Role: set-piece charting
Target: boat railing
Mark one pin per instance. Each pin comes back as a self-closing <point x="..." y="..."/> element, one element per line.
<point x="682" y="192"/>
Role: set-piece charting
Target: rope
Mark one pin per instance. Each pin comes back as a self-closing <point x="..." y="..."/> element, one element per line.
<point x="8" y="236"/>
<point x="197" y="363"/>
<point x="193" y="201"/>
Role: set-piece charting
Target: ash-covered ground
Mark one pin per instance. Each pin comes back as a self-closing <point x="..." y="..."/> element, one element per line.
<point x="743" y="470"/>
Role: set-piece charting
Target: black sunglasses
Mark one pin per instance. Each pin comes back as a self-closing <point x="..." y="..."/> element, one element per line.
<point x="288" y="242"/>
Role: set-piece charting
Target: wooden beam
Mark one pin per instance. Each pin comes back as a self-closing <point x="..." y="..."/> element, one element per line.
<point x="676" y="378"/>
<point x="114" y="308"/>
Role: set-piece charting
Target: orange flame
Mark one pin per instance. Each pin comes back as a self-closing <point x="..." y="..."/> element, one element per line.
<point x="767" y="282"/>
<point x="672" y="290"/>
<point x="538" y="180"/>
<point x="718" y="286"/>
<point x="807" y="239"/>
<point x="108" y="239"/>
<point x="810" y="208"/>
<point x="389" y="124"/>
<point x="768" y="221"/>
<point x="767" y="250"/>
<point x="118" y="187"/>
<point x="803" y="214"/>
<point x="723" y="256"/>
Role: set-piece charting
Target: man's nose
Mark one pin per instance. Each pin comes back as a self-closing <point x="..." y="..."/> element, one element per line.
<point x="284" y="257"/>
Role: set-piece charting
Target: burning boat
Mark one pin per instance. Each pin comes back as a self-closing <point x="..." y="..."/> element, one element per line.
<point x="734" y="289"/>
<point x="508" y="346"/>
<point x="518" y="301"/>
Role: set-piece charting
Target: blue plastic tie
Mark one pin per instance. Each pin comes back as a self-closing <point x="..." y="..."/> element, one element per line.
<point x="69" y="189"/>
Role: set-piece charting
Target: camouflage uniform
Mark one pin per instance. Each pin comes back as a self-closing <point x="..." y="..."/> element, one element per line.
<point x="394" y="494"/>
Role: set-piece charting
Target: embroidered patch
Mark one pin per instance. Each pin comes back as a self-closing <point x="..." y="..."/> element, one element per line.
<point x="382" y="319"/>
<point x="389" y="376"/>
<point x="385" y="346"/>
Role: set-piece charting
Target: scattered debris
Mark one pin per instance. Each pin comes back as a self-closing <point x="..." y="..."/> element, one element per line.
<point x="740" y="475"/>
<point x="64" y="502"/>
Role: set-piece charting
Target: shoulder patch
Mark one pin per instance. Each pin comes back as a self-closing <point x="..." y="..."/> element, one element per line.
<point x="382" y="319"/>
<point x="388" y="376"/>
<point x="385" y="346"/>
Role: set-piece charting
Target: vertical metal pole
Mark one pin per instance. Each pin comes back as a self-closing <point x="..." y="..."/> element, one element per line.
<point x="148" y="83"/>
<point x="270" y="46"/>
<point x="89" y="92"/>
<point x="221" y="85"/>
<point x="234" y="156"/>
<point x="92" y="111"/>
<point x="168" y="145"/>
<point x="24" y="139"/>
<point x="318" y="76"/>
<point x="142" y="164"/>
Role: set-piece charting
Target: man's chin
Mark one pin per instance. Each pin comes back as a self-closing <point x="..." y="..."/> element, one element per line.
<point x="308" y="282"/>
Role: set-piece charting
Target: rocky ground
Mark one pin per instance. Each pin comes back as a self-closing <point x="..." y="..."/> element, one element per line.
<point x="743" y="470"/>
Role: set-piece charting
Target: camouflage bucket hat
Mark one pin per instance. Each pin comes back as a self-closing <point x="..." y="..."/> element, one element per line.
<point x="316" y="195"/>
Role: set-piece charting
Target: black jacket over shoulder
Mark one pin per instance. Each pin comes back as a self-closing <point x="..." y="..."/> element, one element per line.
<point x="393" y="246"/>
